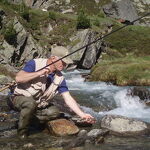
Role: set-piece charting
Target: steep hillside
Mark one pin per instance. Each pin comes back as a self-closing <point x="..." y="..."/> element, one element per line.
<point x="28" y="29"/>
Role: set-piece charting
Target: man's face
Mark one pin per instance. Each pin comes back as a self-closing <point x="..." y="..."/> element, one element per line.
<point x="59" y="65"/>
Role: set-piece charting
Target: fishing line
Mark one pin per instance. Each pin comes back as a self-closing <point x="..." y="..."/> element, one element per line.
<point x="96" y="40"/>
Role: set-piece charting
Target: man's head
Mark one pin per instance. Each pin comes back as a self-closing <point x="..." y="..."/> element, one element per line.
<point x="60" y="52"/>
<point x="57" y="53"/>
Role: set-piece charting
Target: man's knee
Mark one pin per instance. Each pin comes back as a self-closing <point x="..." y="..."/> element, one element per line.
<point x="30" y="105"/>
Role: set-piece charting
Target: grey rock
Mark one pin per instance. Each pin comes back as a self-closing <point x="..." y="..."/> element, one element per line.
<point x="82" y="133"/>
<point x="4" y="79"/>
<point x="123" y="9"/>
<point x="67" y="11"/>
<point x="88" y="56"/>
<point x="97" y="132"/>
<point x="124" y="126"/>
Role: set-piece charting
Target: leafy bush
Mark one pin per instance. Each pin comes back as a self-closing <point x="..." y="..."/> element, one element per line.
<point x="96" y="22"/>
<point x="83" y="22"/>
<point x="52" y="15"/>
<point x="10" y="34"/>
<point x="4" y="2"/>
<point x="25" y="12"/>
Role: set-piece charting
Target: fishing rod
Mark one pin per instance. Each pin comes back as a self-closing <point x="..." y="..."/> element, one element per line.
<point x="83" y="47"/>
<point x="96" y="40"/>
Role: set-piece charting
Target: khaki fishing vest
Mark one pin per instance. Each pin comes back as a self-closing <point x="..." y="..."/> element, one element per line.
<point x="37" y="87"/>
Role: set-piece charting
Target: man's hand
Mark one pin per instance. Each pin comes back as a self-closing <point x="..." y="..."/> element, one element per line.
<point x="70" y="101"/>
<point x="45" y="71"/>
<point x="88" y="118"/>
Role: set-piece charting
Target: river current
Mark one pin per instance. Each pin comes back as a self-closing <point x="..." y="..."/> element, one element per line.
<point x="99" y="99"/>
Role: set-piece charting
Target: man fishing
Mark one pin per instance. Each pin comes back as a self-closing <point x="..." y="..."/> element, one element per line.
<point x="36" y="87"/>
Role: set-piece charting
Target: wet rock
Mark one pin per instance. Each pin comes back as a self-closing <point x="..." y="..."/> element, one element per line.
<point x="142" y="92"/>
<point x="10" y="133"/>
<point x="80" y="122"/>
<point x="95" y="136"/>
<point x="79" y="141"/>
<point x="60" y="148"/>
<point x="62" y="127"/>
<point x="97" y="132"/>
<point x="82" y="133"/>
<point x="7" y="125"/>
<point x="124" y="126"/>
<point x="28" y="145"/>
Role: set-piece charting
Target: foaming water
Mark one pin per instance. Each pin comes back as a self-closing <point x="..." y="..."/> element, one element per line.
<point x="129" y="106"/>
<point x="99" y="98"/>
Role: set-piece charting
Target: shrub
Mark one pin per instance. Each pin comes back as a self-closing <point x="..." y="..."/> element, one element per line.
<point x="10" y="34"/>
<point x="24" y="12"/>
<point x="52" y="15"/>
<point x="96" y="22"/>
<point x="83" y="22"/>
<point x="5" y="2"/>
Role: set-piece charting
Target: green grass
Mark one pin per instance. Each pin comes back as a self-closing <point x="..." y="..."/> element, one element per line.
<point x="132" y="39"/>
<point x="123" y="71"/>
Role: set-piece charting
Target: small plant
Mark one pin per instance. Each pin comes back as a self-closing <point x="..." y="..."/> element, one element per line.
<point x="52" y="15"/>
<point x="5" y="2"/>
<point x="83" y="22"/>
<point x="96" y="22"/>
<point x="10" y="34"/>
<point x="24" y="12"/>
<point x="0" y="22"/>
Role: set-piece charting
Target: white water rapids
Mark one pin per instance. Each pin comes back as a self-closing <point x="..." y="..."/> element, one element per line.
<point x="99" y="98"/>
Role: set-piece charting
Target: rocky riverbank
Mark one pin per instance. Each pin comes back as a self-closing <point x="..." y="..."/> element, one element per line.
<point x="69" y="132"/>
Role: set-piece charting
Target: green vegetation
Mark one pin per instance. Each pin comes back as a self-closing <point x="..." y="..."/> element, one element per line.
<point x="123" y="71"/>
<point x="83" y="22"/>
<point x="10" y="34"/>
<point x="63" y="32"/>
<point x="132" y="39"/>
<point x="52" y="15"/>
<point x="25" y="12"/>
<point x="127" y="61"/>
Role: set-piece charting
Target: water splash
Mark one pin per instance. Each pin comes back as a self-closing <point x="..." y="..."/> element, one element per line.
<point x="112" y="99"/>
<point x="129" y="106"/>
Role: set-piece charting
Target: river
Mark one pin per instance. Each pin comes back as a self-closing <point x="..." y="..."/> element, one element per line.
<point x="99" y="99"/>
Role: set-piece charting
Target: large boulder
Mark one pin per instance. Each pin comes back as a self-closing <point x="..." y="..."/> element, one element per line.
<point x="124" y="126"/>
<point x="88" y="56"/>
<point x="62" y="127"/>
<point x="122" y="9"/>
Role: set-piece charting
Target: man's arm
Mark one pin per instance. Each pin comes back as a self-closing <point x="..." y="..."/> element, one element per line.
<point x="70" y="101"/>
<point x="23" y="76"/>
